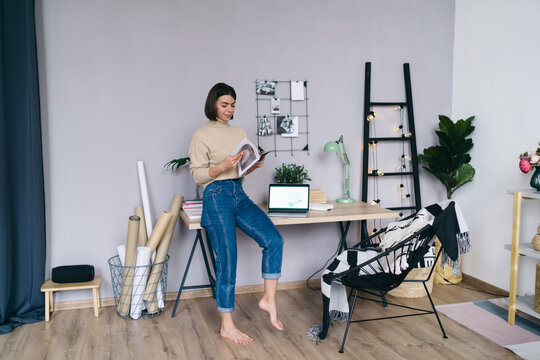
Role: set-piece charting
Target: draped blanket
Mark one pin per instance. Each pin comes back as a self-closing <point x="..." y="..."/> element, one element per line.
<point x="448" y="224"/>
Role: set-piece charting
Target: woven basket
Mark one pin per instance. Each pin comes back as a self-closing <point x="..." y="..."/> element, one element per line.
<point x="414" y="289"/>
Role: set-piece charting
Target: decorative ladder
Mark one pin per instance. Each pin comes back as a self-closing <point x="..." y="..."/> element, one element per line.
<point x="404" y="138"/>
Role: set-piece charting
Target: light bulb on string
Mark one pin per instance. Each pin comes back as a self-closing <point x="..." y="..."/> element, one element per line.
<point x="380" y="173"/>
<point x="409" y="134"/>
<point x="400" y="214"/>
<point x="402" y="166"/>
<point x="401" y="187"/>
<point x="397" y="128"/>
<point x="374" y="231"/>
<point x="405" y="157"/>
<point x="406" y="196"/>
<point x="371" y="116"/>
<point x="398" y="107"/>
<point x="375" y="202"/>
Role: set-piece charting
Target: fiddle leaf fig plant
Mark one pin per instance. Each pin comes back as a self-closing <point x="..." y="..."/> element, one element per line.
<point x="449" y="161"/>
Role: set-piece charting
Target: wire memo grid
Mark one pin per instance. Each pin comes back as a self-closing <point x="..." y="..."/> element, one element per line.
<point x="282" y="115"/>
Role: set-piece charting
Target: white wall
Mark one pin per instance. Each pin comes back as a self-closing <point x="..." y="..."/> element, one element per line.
<point x="126" y="80"/>
<point x="497" y="78"/>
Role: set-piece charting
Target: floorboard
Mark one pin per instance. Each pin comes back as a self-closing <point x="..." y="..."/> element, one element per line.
<point x="194" y="332"/>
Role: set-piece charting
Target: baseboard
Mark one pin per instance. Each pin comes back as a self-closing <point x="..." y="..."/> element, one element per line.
<point x="484" y="286"/>
<point x="188" y="294"/>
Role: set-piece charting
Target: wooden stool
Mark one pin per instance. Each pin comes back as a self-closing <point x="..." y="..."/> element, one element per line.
<point x="50" y="287"/>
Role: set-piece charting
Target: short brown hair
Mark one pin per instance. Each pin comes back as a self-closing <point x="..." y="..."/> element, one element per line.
<point x="215" y="92"/>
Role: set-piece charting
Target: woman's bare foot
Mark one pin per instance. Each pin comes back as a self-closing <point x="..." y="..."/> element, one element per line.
<point x="271" y="309"/>
<point x="235" y="335"/>
<point x="230" y="331"/>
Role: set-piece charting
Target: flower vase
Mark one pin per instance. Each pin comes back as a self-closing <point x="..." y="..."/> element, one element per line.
<point x="535" y="180"/>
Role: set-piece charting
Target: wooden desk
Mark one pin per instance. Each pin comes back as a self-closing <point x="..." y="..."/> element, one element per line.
<point x="343" y="214"/>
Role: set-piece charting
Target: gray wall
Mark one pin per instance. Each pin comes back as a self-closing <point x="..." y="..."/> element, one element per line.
<point x="497" y="78"/>
<point x="125" y="81"/>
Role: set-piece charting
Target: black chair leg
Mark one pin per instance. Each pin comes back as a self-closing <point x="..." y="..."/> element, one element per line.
<point x="348" y="321"/>
<point x="435" y="311"/>
<point x="383" y="299"/>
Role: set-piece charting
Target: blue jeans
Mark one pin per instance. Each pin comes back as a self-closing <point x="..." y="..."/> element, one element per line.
<point x="225" y="206"/>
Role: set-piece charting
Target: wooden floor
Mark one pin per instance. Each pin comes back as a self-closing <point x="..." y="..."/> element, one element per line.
<point x="193" y="333"/>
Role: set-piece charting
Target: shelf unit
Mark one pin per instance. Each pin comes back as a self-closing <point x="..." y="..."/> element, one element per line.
<point x="288" y="107"/>
<point x="523" y="303"/>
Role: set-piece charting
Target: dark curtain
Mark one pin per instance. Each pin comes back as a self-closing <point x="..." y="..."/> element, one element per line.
<point x="22" y="200"/>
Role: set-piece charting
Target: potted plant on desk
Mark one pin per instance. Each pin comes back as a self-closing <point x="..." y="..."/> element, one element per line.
<point x="291" y="174"/>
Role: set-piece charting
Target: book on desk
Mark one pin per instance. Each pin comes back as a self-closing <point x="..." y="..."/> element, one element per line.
<point x="193" y="208"/>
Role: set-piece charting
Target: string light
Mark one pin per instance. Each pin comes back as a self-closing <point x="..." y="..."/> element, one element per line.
<point x="380" y="173"/>
<point x="398" y="107"/>
<point x="406" y="196"/>
<point x="407" y="135"/>
<point x="401" y="186"/>
<point x="371" y="116"/>
<point x="402" y="166"/>
<point x="376" y="202"/>
<point x="405" y="157"/>
<point x="400" y="214"/>
<point x="397" y="128"/>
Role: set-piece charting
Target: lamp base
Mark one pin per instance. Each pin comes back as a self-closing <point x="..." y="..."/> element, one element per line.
<point x="345" y="201"/>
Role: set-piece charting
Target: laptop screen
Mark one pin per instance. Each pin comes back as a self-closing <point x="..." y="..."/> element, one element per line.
<point x="292" y="197"/>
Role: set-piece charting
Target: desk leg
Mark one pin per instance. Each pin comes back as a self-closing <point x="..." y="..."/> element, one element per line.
<point x="344" y="229"/>
<point x="185" y="274"/>
<point x="206" y="263"/>
<point x="514" y="259"/>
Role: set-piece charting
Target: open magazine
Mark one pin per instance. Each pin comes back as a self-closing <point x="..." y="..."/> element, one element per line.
<point x="250" y="157"/>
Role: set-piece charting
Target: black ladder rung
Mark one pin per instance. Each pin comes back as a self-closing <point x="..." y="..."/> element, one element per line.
<point x="393" y="173"/>
<point x="390" y="138"/>
<point x="402" y="208"/>
<point x="402" y="104"/>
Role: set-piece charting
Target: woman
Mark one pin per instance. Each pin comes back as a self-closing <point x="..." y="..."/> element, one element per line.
<point x="225" y="206"/>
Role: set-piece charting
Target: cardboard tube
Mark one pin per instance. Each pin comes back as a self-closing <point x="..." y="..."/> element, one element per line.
<point x="144" y="197"/>
<point x="129" y="263"/>
<point x="143" y="235"/>
<point x="161" y="255"/>
<point x="139" y="281"/>
<point x="159" y="230"/>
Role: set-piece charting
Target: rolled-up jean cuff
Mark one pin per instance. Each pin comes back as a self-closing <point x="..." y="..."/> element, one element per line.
<point x="271" y="276"/>
<point x="225" y="310"/>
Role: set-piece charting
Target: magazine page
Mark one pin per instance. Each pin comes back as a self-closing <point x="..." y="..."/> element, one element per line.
<point x="250" y="157"/>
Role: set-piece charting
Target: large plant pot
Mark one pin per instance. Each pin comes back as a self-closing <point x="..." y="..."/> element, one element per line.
<point x="445" y="276"/>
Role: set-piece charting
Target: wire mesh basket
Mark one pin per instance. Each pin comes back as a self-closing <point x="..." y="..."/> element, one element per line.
<point x="139" y="291"/>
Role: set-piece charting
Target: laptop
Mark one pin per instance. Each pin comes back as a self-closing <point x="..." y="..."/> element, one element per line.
<point x="288" y="200"/>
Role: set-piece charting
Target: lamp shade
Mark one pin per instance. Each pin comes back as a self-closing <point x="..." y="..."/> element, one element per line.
<point x="331" y="146"/>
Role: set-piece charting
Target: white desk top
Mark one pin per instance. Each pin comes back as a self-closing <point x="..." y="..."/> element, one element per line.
<point x="341" y="212"/>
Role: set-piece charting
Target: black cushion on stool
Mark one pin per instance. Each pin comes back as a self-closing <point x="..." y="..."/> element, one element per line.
<point x="72" y="273"/>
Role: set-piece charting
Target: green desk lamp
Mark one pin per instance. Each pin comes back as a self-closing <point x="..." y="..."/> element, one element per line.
<point x="333" y="146"/>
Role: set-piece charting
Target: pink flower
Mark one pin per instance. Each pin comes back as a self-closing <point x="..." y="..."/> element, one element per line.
<point x="535" y="159"/>
<point x="525" y="166"/>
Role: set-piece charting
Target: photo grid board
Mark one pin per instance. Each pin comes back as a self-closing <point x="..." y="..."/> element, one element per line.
<point x="282" y="115"/>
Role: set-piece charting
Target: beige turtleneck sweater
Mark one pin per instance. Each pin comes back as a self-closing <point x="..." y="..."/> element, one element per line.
<point x="210" y="145"/>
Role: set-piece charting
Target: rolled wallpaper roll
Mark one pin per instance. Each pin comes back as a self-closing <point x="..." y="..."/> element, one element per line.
<point x="145" y="198"/>
<point x="121" y="250"/>
<point x="161" y="255"/>
<point x="143" y="235"/>
<point x="139" y="281"/>
<point x="131" y="255"/>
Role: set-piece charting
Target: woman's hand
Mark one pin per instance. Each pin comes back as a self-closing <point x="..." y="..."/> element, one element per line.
<point x="230" y="162"/>
<point x="257" y="165"/>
